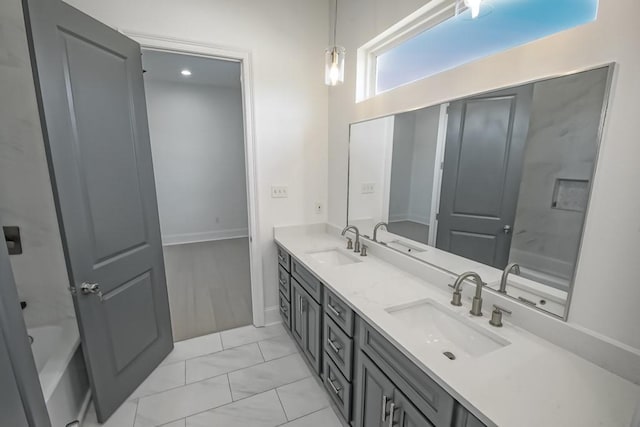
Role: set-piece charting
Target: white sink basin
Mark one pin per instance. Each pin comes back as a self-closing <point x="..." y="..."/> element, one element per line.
<point x="446" y="330"/>
<point x="333" y="257"/>
<point x="405" y="247"/>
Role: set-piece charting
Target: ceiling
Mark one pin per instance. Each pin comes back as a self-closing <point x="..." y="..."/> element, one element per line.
<point x="167" y="66"/>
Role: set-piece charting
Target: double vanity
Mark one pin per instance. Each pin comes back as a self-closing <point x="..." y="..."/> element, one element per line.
<point x="393" y="348"/>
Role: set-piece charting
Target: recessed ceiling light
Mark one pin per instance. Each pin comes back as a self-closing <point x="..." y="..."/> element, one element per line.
<point x="185" y="72"/>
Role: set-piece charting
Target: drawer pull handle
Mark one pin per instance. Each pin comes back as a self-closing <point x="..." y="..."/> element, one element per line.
<point x="384" y="408"/>
<point x="283" y="282"/>
<point x="336" y="390"/>
<point x="333" y="346"/>
<point x="334" y="310"/>
<point x="392" y="410"/>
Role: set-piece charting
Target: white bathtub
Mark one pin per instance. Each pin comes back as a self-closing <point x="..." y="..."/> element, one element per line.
<point x="62" y="372"/>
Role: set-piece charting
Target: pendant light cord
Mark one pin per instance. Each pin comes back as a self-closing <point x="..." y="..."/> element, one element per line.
<point x="335" y="22"/>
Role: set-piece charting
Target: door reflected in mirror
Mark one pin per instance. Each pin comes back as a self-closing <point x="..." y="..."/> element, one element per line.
<point x="481" y="182"/>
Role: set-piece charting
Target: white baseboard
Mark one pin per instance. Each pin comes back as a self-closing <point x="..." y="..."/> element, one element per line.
<point x="272" y="316"/>
<point x="207" y="236"/>
<point x="409" y="218"/>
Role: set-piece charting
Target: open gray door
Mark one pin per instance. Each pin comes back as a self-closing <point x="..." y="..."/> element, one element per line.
<point x="484" y="150"/>
<point x="91" y="96"/>
<point x="21" y="399"/>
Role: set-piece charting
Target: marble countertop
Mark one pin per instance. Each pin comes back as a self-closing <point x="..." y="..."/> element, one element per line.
<point x="529" y="382"/>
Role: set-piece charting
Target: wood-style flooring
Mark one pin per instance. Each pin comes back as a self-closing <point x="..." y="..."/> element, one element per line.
<point x="209" y="286"/>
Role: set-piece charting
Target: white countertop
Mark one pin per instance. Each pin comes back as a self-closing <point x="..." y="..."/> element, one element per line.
<point x="529" y="382"/>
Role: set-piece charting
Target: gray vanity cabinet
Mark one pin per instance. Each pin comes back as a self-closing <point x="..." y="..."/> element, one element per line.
<point x="379" y="403"/>
<point x="464" y="418"/>
<point x="369" y="380"/>
<point x="284" y="286"/>
<point x="306" y="324"/>
<point x="373" y="395"/>
<point x="406" y="414"/>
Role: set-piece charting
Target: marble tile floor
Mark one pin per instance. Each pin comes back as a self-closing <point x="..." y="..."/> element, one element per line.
<point x="249" y="377"/>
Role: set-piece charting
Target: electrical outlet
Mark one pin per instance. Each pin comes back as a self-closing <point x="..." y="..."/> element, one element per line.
<point x="318" y="207"/>
<point x="279" y="192"/>
<point x="368" y="188"/>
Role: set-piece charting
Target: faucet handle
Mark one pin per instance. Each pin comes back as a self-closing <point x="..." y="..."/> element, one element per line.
<point x="349" y="243"/>
<point x="497" y="307"/>
<point x="363" y="250"/>
<point x="496" y="315"/>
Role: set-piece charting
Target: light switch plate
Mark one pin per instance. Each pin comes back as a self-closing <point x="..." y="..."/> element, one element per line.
<point x="368" y="188"/>
<point x="279" y="192"/>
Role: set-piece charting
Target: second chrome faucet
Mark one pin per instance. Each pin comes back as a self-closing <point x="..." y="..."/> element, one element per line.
<point x="476" y="305"/>
<point x="356" y="245"/>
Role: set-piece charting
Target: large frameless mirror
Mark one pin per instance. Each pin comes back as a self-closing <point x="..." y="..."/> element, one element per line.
<point x="496" y="181"/>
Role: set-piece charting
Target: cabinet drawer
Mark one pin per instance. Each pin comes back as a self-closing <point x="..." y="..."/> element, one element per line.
<point x="308" y="281"/>
<point x="283" y="258"/>
<point x="285" y="310"/>
<point x="338" y="387"/>
<point x="338" y="346"/>
<point x="339" y="312"/>
<point x="284" y="282"/>
<point x="465" y="418"/>
<point x="436" y="404"/>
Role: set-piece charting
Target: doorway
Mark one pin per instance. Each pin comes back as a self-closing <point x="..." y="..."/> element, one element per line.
<point x="195" y="111"/>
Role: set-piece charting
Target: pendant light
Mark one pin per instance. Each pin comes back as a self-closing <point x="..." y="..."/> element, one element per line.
<point x="334" y="57"/>
<point x="474" y="5"/>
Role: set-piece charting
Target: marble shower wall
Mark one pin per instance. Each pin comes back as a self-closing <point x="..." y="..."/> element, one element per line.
<point x="26" y="198"/>
<point x="562" y="144"/>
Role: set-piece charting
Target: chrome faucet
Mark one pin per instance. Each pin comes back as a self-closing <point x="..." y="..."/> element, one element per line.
<point x="505" y="275"/>
<point x="356" y="245"/>
<point x="376" y="228"/>
<point x="476" y="305"/>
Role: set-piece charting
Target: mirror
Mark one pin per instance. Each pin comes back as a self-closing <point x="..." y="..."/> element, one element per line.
<point x="486" y="181"/>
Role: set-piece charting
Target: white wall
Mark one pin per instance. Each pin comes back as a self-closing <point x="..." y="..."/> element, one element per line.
<point x="414" y="152"/>
<point x="371" y="146"/>
<point x="423" y="163"/>
<point x="401" y="166"/>
<point x="606" y="289"/>
<point x="26" y="199"/>
<point x="286" y="39"/>
<point x="197" y="141"/>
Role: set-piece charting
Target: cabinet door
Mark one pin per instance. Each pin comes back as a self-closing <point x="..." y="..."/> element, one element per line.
<point x="297" y="324"/>
<point x="312" y="330"/>
<point x="373" y="395"/>
<point x="405" y="414"/>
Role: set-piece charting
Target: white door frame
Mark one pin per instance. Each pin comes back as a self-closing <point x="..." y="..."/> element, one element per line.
<point x="153" y="42"/>
<point x="437" y="174"/>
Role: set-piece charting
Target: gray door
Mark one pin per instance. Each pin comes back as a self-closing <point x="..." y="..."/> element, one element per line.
<point x="374" y="395"/>
<point x="94" y="120"/>
<point x="483" y="159"/>
<point x="312" y="321"/>
<point x="21" y="399"/>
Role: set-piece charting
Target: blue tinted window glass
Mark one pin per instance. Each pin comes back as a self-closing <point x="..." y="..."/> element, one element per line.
<point x="502" y="24"/>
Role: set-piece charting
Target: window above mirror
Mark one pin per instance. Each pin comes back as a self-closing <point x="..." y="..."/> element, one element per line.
<point x="443" y="35"/>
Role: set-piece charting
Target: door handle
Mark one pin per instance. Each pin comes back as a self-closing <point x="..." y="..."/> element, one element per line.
<point x="88" y="288"/>
<point x="506" y="229"/>
<point x="392" y="410"/>
<point x="384" y="408"/>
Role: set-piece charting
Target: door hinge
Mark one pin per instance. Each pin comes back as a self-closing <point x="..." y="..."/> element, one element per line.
<point x="437" y="216"/>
